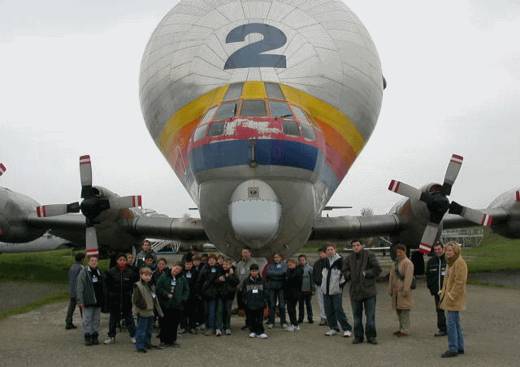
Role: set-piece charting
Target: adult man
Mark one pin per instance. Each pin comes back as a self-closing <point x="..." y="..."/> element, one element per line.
<point x="146" y="249"/>
<point x="90" y="290"/>
<point x="274" y="281"/>
<point x="361" y="268"/>
<point x="317" y="276"/>
<point x="73" y="276"/>
<point x="435" y="272"/>
<point x="332" y="289"/>
<point x="120" y="282"/>
<point x="173" y="291"/>
<point x="453" y="298"/>
<point x="306" y="291"/>
<point x="242" y="270"/>
<point x="401" y="277"/>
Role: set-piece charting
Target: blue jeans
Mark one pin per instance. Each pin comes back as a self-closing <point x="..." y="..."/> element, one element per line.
<point x="211" y="305"/>
<point x="369" y="305"/>
<point x="455" y="337"/>
<point x="143" y="333"/>
<point x="335" y="313"/>
<point x="276" y="295"/>
<point x="224" y="313"/>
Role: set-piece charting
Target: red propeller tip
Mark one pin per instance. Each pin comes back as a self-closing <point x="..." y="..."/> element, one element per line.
<point x="424" y="248"/>
<point x="40" y="211"/>
<point x="487" y="220"/>
<point x="394" y="186"/>
<point x="92" y="252"/>
<point x="518" y="196"/>
<point x="455" y="158"/>
<point x="2" y="169"/>
<point x="137" y="201"/>
<point x="84" y="159"/>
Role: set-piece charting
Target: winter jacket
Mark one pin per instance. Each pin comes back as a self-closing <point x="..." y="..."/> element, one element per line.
<point x="73" y="277"/>
<point x="275" y="275"/>
<point x="157" y="274"/>
<point x="361" y="270"/>
<point x="307" y="281"/>
<point x="177" y="287"/>
<point x="139" y="258"/>
<point x="85" y="292"/>
<point x="435" y="272"/>
<point x="293" y="283"/>
<point x="144" y="300"/>
<point x="242" y="269"/>
<point x="453" y="294"/>
<point x="120" y="285"/>
<point x="332" y="277"/>
<point x="254" y="293"/>
<point x="400" y="285"/>
<point x="192" y="277"/>
<point x="228" y="288"/>
<point x="317" y="270"/>
<point x="208" y="282"/>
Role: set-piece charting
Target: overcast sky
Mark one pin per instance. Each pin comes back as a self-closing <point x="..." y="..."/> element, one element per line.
<point x="69" y="86"/>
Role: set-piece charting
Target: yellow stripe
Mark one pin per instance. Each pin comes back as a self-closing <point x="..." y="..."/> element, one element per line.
<point x="326" y="113"/>
<point x="190" y="112"/>
<point x="254" y="90"/>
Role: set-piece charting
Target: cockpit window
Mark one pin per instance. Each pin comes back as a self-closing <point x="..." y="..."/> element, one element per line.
<point x="226" y="110"/>
<point x="216" y="128"/>
<point x="308" y="132"/>
<point x="208" y="116"/>
<point x="274" y="91"/>
<point x="234" y="91"/>
<point x="300" y="115"/>
<point x="280" y="109"/>
<point x="291" y="128"/>
<point x="253" y="107"/>
<point x="200" y="132"/>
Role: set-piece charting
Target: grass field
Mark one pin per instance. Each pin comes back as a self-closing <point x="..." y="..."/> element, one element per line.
<point x="494" y="254"/>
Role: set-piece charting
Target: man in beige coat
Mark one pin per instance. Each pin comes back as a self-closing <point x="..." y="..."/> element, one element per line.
<point x="453" y="298"/>
<point x="400" y="283"/>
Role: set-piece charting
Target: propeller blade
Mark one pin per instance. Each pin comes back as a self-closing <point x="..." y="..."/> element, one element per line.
<point x="2" y="169"/>
<point x="91" y="242"/>
<point x="451" y="173"/>
<point x="85" y="173"/>
<point x="518" y="196"/>
<point x="56" y="209"/>
<point x="428" y="238"/>
<point x="126" y="202"/>
<point x="404" y="189"/>
<point x="473" y="215"/>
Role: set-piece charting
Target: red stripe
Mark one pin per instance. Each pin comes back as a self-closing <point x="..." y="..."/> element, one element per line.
<point x="133" y="201"/>
<point x="139" y="200"/>
<point x="41" y="212"/>
<point x="457" y="157"/>
<point x="2" y="168"/>
<point x="518" y="196"/>
<point x="84" y="159"/>
<point x="92" y="252"/>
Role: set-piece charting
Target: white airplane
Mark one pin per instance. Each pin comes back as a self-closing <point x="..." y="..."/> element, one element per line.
<point x="260" y="107"/>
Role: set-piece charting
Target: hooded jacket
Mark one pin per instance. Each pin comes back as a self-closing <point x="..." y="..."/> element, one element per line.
<point x="120" y="284"/>
<point x="332" y="277"/>
<point x="177" y="287"/>
<point x="254" y="293"/>
<point x="453" y="293"/>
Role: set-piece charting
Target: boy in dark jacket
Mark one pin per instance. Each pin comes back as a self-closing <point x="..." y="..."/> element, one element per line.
<point x="227" y="284"/>
<point x="190" y="316"/>
<point x="435" y="272"/>
<point x="255" y="298"/>
<point x="208" y="282"/>
<point x="305" y="300"/>
<point x="145" y="304"/>
<point x="172" y="290"/>
<point x="292" y="291"/>
<point x="120" y="282"/>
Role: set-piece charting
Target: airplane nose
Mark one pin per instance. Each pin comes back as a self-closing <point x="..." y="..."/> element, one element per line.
<point x="254" y="211"/>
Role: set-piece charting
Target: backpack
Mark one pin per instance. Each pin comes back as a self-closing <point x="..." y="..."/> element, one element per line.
<point x="414" y="282"/>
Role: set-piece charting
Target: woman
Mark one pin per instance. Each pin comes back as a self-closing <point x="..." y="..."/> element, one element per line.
<point x="401" y="278"/>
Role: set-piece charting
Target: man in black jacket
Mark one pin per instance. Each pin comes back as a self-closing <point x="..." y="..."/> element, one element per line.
<point x="317" y="276"/>
<point x="120" y="282"/>
<point x="208" y="283"/>
<point x="435" y="272"/>
<point x="361" y="268"/>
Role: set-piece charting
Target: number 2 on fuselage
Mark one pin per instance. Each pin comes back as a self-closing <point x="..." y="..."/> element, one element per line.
<point x="252" y="55"/>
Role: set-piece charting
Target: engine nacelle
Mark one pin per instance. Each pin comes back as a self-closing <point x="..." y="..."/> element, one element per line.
<point x="507" y="204"/>
<point x="14" y="210"/>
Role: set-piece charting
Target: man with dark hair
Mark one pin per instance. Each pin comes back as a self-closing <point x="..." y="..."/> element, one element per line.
<point x="146" y="249"/>
<point x="435" y="272"/>
<point x="73" y="276"/>
<point x="120" y="282"/>
<point x="306" y="291"/>
<point x="317" y="276"/>
<point x="361" y="268"/>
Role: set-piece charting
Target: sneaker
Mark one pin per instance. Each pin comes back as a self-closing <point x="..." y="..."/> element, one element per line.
<point x="290" y="328"/>
<point x="331" y="332"/>
<point x="228" y="331"/>
<point x="357" y="341"/>
<point x="252" y="335"/>
<point x="372" y="341"/>
<point x="347" y="333"/>
<point x="141" y="350"/>
<point x="449" y="354"/>
<point x="323" y="322"/>
<point x="218" y="332"/>
<point x="262" y="336"/>
<point x="133" y="340"/>
<point x="110" y="340"/>
<point x="297" y="327"/>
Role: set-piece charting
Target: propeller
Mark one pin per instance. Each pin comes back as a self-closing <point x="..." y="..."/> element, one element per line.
<point x="91" y="206"/>
<point x="3" y="169"/>
<point x="438" y="204"/>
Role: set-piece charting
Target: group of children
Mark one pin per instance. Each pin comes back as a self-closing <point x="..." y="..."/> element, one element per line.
<point x="195" y="295"/>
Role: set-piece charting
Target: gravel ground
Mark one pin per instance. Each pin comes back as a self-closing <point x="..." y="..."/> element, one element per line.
<point x="491" y="326"/>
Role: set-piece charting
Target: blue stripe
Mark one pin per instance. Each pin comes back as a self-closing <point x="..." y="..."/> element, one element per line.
<point x="268" y="152"/>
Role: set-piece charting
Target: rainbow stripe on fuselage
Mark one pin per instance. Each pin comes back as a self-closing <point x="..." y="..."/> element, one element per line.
<point x="337" y="141"/>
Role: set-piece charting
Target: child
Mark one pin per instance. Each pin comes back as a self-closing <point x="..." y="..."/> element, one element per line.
<point x="149" y="261"/>
<point x="255" y="299"/>
<point x="144" y="303"/>
<point x="275" y="277"/>
<point x="190" y="316"/>
<point x="307" y="287"/>
<point x="292" y="291"/>
<point x="227" y="288"/>
<point x="208" y="286"/>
